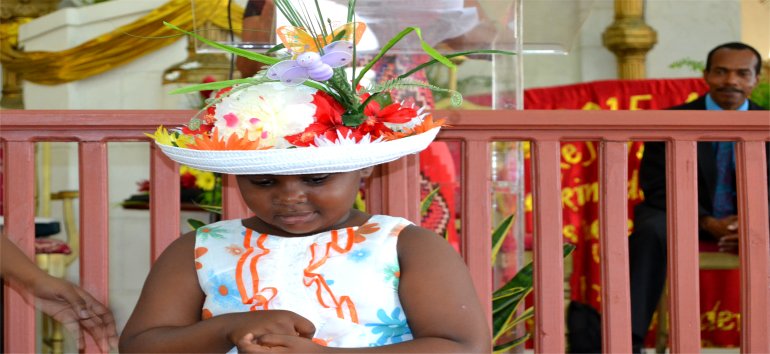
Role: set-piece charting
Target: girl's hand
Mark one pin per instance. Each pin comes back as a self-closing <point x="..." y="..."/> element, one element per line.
<point x="259" y="323"/>
<point x="278" y="343"/>
<point x="73" y="307"/>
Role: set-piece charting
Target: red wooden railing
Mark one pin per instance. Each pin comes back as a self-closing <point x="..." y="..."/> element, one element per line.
<point x="393" y="191"/>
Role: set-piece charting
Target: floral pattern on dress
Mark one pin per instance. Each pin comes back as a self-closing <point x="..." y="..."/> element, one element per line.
<point x="204" y="232"/>
<point x="393" y="274"/>
<point x="225" y="292"/>
<point x="359" y="255"/>
<point x="392" y="329"/>
<point x="345" y="281"/>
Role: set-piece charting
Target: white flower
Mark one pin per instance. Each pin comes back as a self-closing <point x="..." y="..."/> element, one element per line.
<point x="348" y="139"/>
<point x="268" y="111"/>
<point x="368" y="78"/>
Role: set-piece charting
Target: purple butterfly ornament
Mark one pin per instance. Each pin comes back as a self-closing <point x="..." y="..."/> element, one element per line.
<point x="311" y="65"/>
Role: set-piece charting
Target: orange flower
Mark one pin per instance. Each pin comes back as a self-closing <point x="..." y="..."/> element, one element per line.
<point x="213" y="142"/>
<point x="427" y="124"/>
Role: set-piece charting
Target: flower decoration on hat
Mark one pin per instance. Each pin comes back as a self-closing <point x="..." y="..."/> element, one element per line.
<point x="307" y="99"/>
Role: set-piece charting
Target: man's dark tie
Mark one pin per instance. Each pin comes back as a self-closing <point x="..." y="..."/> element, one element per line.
<point x="724" y="197"/>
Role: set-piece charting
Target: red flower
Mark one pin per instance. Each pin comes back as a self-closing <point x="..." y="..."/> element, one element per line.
<point x="207" y="93"/>
<point x="202" y="129"/>
<point x="212" y="109"/>
<point x="187" y="180"/>
<point x="144" y="185"/>
<point x="376" y="117"/>
<point x="328" y="119"/>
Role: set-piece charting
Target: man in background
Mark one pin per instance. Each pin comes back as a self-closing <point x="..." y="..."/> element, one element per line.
<point x="732" y="71"/>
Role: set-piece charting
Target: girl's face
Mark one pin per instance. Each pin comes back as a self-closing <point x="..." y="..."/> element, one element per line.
<point x="300" y="204"/>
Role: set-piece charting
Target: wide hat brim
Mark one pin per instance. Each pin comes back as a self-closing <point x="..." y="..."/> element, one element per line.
<point x="296" y="161"/>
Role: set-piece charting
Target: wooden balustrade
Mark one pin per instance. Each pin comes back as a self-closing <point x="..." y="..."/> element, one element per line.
<point x="393" y="191"/>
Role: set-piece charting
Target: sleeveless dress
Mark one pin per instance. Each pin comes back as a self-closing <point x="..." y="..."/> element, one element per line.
<point x="344" y="281"/>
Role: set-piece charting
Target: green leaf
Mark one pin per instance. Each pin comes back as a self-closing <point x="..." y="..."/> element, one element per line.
<point x="211" y="86"/>
<point x="276" y="48"/>
<point x="695" y="65"/>
<point x="425" y="47"/>
<point x="353" y="119"/>
<point x="524" y="277"/>
<point x="406" y="83"/>
<point x="506" y="347"/>
<point x="506" y="301"/>
<point x="195" y="223"/>
<point x="456" y="54"/>
<point x="425" y="204"/>
<point x="761" y="95"/>
<point x="351" y="9"/>
<point x="264" y="59"/>
<point x="527" y="314"/>
<point x="502" y="312"/>
<point x="508" y="293"/>
<point x="499" y="234"/>
<point x="216" y="209"/>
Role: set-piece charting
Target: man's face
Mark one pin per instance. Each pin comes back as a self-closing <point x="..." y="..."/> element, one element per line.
<point x="731" y="77"/>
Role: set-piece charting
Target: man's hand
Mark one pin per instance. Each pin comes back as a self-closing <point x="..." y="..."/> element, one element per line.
<point x="720" y="227"/>
<point x="729" y="244"/>
<point x="724" y="230"/>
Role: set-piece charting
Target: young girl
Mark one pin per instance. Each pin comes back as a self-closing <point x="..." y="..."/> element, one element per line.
<point x="307" y="273"/>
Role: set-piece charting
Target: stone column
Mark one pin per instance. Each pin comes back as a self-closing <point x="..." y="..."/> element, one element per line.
<point x="14" y="13"/>
<point x="630" y="38"/>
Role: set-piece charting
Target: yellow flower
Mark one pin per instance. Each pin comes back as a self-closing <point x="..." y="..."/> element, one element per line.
<point x="162" y="136"/>
<point x="206" y="181"/>
<point x="187" y="169"/>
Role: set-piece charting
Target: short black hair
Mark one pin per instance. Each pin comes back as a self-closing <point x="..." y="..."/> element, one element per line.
<point x="736" y="46"/>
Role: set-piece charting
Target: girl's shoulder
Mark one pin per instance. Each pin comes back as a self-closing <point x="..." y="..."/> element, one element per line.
<point x="386" y="220"/>
<point x="225" y="230"/>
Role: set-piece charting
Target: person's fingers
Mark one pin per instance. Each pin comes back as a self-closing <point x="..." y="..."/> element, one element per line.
<point x="275" y="340"/>
<point x="304" y="328"/>
<point x="246" y="340"/>
<point x="249" y="344"/>
<point x="70" y="324"/>
<point x="70" y="294"/>
<point x="99" y="322"/>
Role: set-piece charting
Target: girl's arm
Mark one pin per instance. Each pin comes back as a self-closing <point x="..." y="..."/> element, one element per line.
<point x="438" y="297"/>
<point x="167" y="317"/>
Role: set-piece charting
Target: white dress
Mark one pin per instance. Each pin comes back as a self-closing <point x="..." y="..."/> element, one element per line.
<point x="344" y="281"/>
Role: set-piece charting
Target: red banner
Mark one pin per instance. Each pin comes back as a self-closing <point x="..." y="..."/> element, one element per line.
<point x="580" y="192"/>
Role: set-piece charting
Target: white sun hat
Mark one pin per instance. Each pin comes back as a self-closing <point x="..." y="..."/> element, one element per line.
<point x="289" y="130"/>
<point x="307" y="160"/>
<point x="304" y="114"/>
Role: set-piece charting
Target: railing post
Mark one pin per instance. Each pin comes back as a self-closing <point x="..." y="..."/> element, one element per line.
<point x="94" y="225"/>
<point x="164" y="202"/>
<point x="233" y="206"/>
<point x="616" y="306"/>
<point x="401" y="188"/>
<point x="477" y="219"/>
<point x="19" y="201"/>
<point x="548" y="259"/>
<point x="682" y="219"/>
<point x="751" y="170"/>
